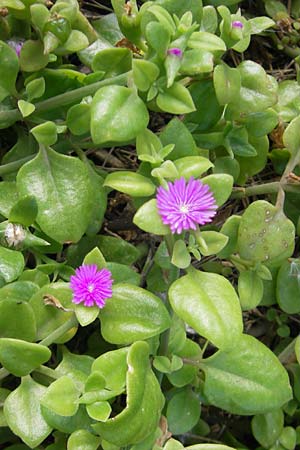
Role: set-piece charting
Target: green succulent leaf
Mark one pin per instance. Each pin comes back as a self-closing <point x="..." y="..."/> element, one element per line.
<point x="208" y="303"/>
<point x="117" y="115"/>
<point x="132" y="313"/>
<point x="54" y="179"/>
<point x="236" y="381"/>
<point x="23" y="412"/>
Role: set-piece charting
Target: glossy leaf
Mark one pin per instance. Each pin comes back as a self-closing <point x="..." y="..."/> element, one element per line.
<point x="19" y="290"/>
<point x="143" y="405"/>
<point x="192" y="166"/>
<point x="8" y="197"/>
<point x="176" y="132"/>
<point x="78" y="119"/>
<point x="99" y="411"/>
<point x="176" y="100"/>
<point x="148" y="219"/>
<point x="77" y="367"/>
<point x="291" y="137"/>
<point x="11" y="264"/>
<point x="220" y="185"/>
<point x="230" y="228"/>
<point x="203" y="40"/>
<point x="209" y="447"/>
<point x="214" y="242"/>
<point x="23" y="414"/>
<point x="113" y="61"/>
<point x="35" y="88"/>
<point x="208" y="110"/>
<point x="236" y="380"/>
<point x="32" y="56"/>
<point x="121" y="273"/>
<point x="83" y="440"/>
<point x="181" y="257"/>
<point x="17" y="320"/>
<point x="53" y="178"/>
<point x="250" y="289"/>
<point x="132" y="314"/>
<point x="287" y="287"/>
<point x="265" y="233"/>
<point x="208" y="303"/>
<point x="183" y="411"/>
<point x="113" y="367"/>
<point x="144" y="73"/>
<point x="227" y="83"/>
<point x="10" y="68"/>
<point x="266" y="428"/>
<point x="130" y="183"/>
<point x="26" y="108"/>
<point x="21" y="357"/>
<point x="196" y="62"/>
<point x="48" y="317"/>
<point x="61" y="397"/>
<point x="117" y="115"/>
<point x="258" y="90"/>
<point x="67" y="424"/>
<point x="24" y="211"/>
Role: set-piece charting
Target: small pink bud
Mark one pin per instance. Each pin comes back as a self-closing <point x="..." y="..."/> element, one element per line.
<point x="237" y="24"/>
<point x="175" y="51"/>
<point x="16" y="46"/>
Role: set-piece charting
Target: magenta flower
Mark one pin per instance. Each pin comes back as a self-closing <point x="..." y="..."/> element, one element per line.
<point x="237" y="24"/>
<point x="175" y="51"/>
<point x="184" y="205"/>
<point x="91" y="286"/>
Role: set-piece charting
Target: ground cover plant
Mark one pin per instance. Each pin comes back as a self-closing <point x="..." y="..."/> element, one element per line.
<point x="149" y="202"/>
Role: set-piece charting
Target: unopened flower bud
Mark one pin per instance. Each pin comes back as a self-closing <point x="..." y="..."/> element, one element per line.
<point x="175" y="51"/>
<point x="14" y="234"/>
<point x="237" y="24"/>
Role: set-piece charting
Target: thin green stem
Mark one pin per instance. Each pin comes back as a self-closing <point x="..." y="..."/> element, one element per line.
<point x="47" y="371"/>
<point x="71" y="323"/>
<point x="266" y="188"/>
<point x="15" y="165"/>
<point x="292" y="163"/>
<point x="288" y="355"/>
<point x="3" y="373"/>
<point x="64" y="99"/>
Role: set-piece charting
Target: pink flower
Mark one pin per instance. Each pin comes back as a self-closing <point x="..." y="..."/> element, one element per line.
<point x="183" y="206"/>
<point x="91" y="286"/>
<point x="175" y="51"/>
<point x="237" y="24"/>
<point x="16" y="46"/>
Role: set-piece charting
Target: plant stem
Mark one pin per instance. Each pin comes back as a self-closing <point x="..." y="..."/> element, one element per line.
<point x="47" y="371"/>
<point x="292" y="163"/>
<point x="65" y="98"/>
<point x="56" y="334"/>
<point x="3" y="373"/>
<point x="14" y="165"/>
<point x="288" y="354"/>
<point x="265" y="188"/>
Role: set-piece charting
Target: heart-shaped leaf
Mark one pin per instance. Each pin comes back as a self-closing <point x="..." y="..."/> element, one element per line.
<point x="265" y="234"/>
<point x="63" y="192"/>
<point x="117" y="115"/>
<point x="208" y="303"/>
<point x="236" y="380"/>
<point x="9" y="70"/>
<point x="132" y="314"/>
<point x="62" y="397"/>
<point x="11" y="264"/>
<point x="23" y="412"/>
<point x="21" y="357"/>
